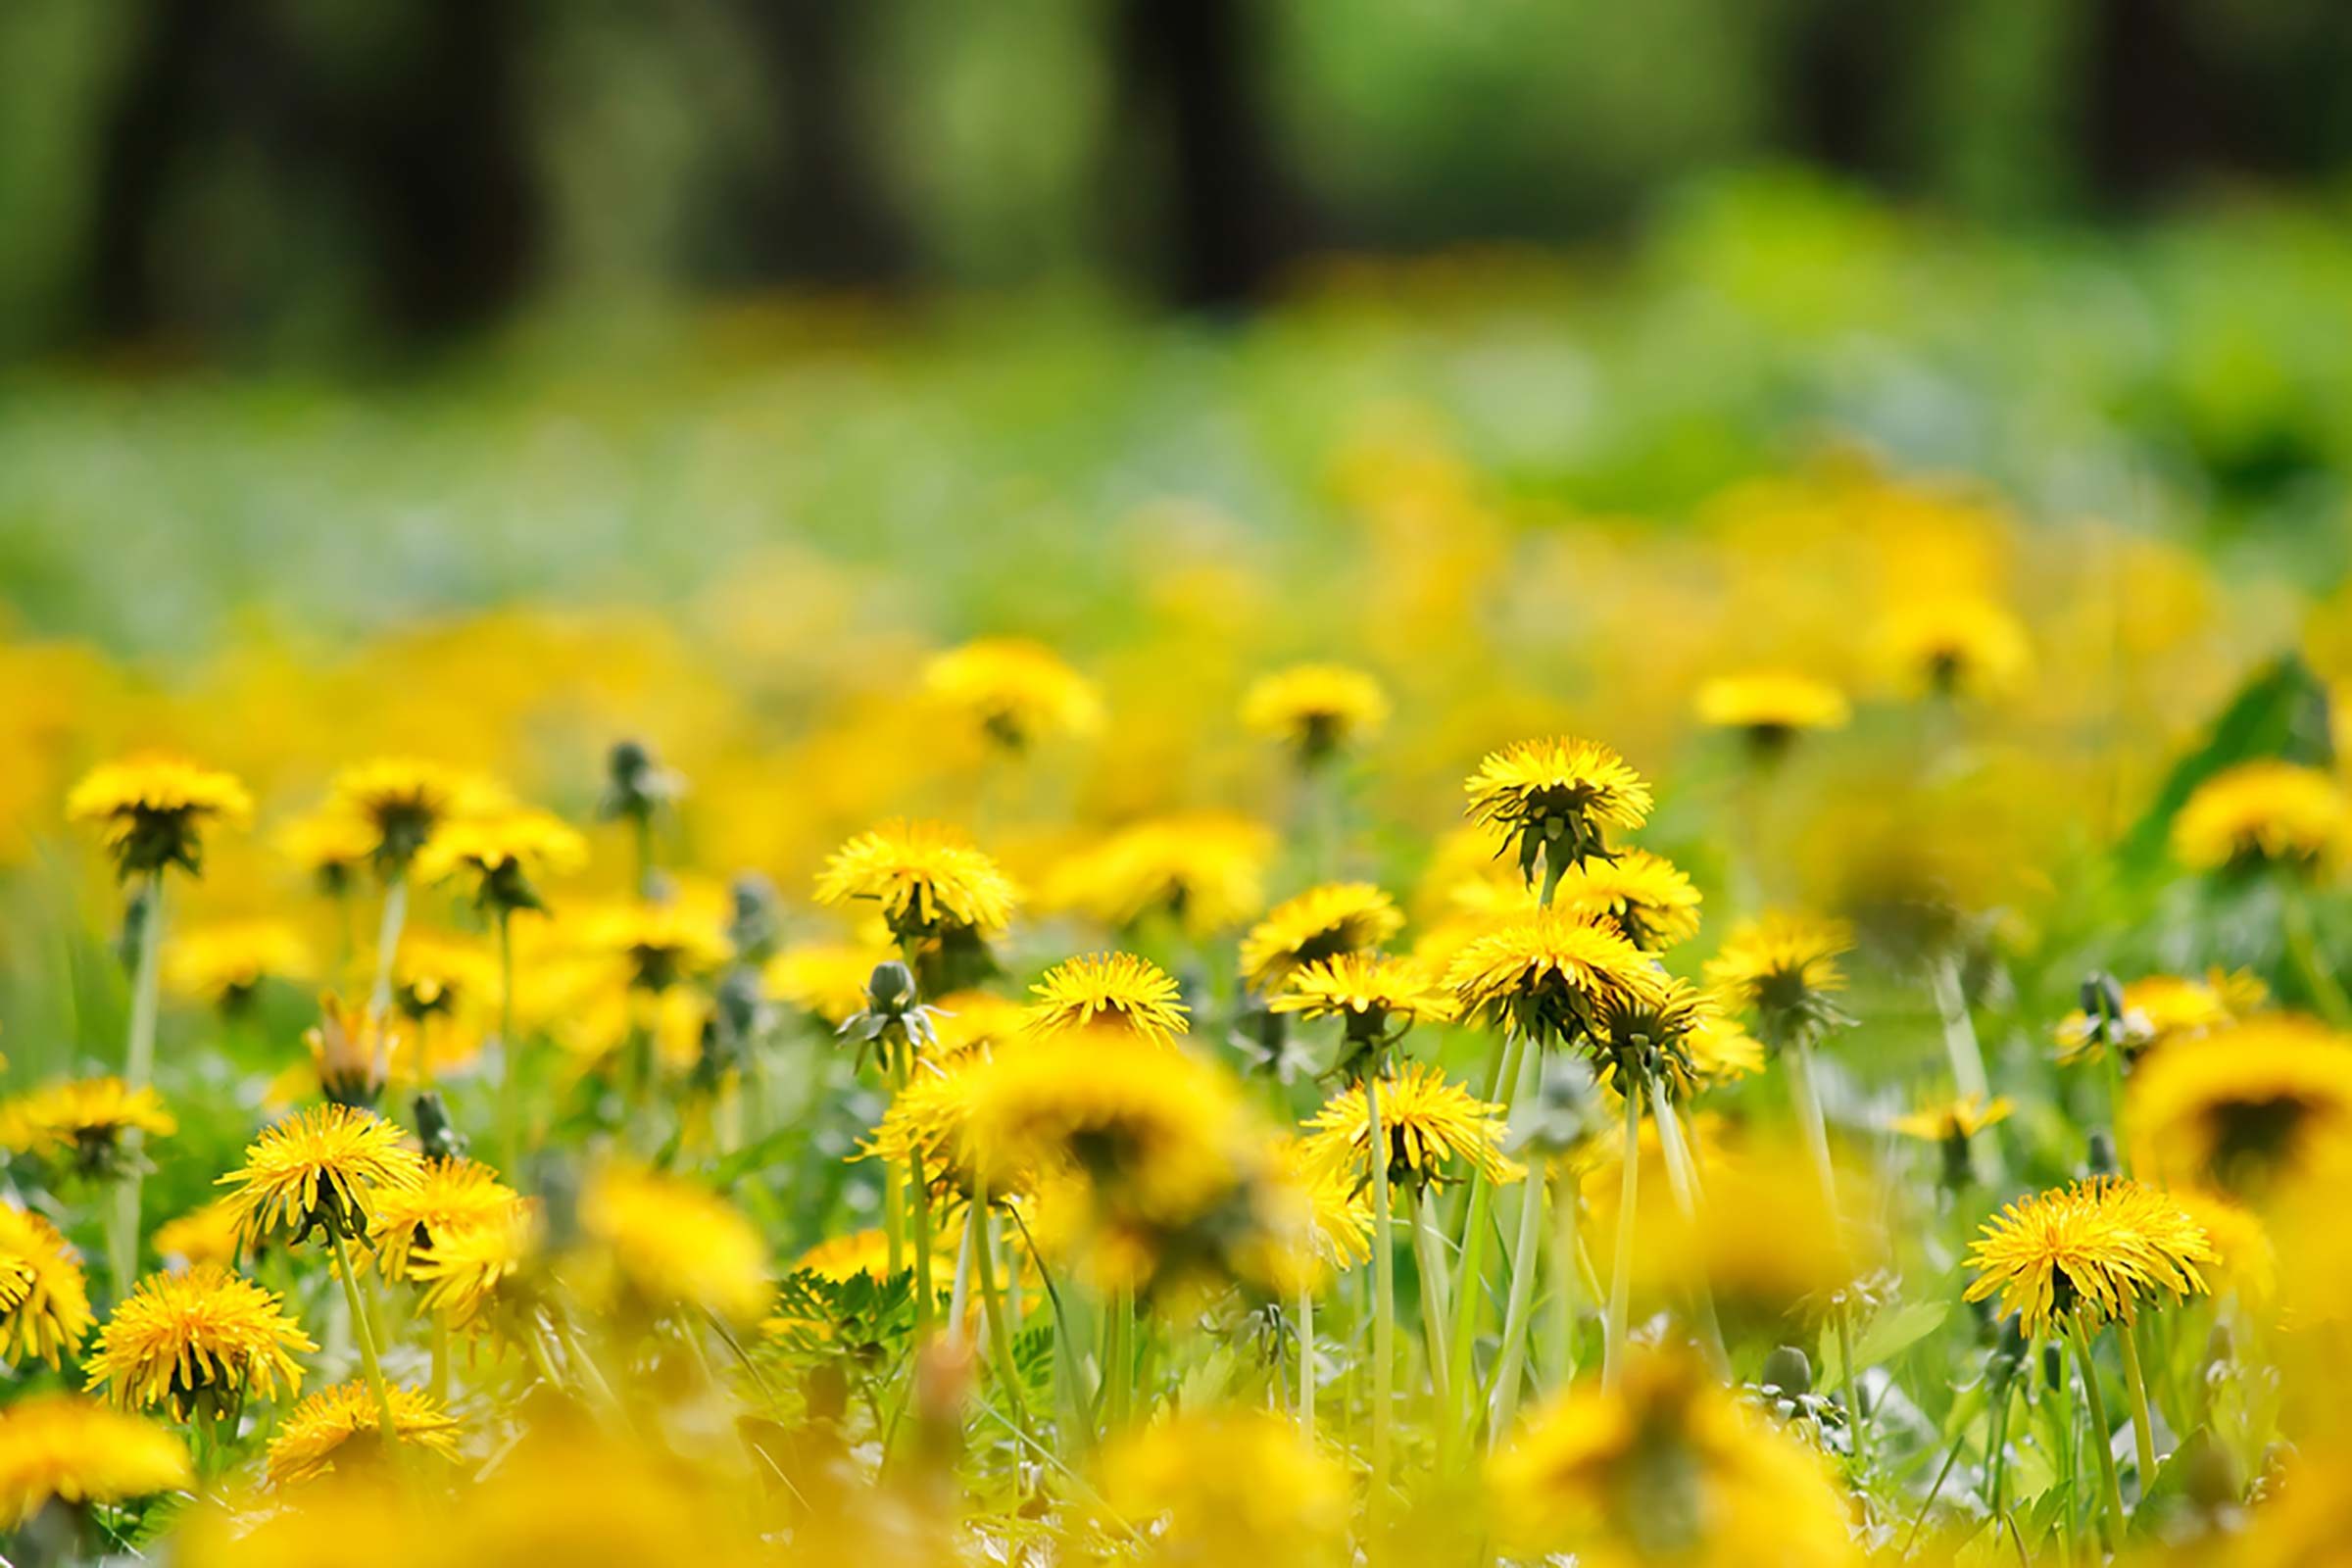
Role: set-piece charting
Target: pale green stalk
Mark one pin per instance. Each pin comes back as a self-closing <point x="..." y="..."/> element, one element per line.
<point x="365" y="1330"/>
<point x="2099" y="1430"/>
<point x="1524" y="1249"/>
<point x="992" y="1307"/>
<point x="1682" y="1179"/>
<point x="1473" y="1267"/>
<point x="1432" y="1269"/>
<point x="1857" y="1423"/>
<point x="1621" y="1281"/>
<point x="1306" y="1361"/>
<point x="138" y="1071"/>
<point x="1384" y="1297"/>
<point x="2143" y="1430"/>
<point x="387" y="939"/>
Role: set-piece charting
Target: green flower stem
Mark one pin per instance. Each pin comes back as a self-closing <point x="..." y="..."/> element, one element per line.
<point x="1857" y="1419"/>
<point x="1960" y="1042"/>
<point x="365" y="1331"/>
<point x="1621" y="1279"/>
<point x="1474" y="1225"/>
<point x="1571" y="1277"/>
<point x="1384" y="1297"/>
<point x="2302" y="950"/>
<point x="959" y="1294"/>
<point x="1306" y="1361"/>
<point x="1807" y="1099"/>
<point x="642" y="836"/>
<point x="510" y="1049"/>
<point x="992" y="1307"/>
<point x="2100" y="1432"/>
<point x="1432" y="1269"/>
<point x="440" y="1358"/>
<point x="2143" y="1430"/>
<point x="387" y="939"/>
<point x="1682" y="1178"/>
<point x="919" y="1202"/>
<point x="1524" y="1249"/>
<point x="138" y="1071"/>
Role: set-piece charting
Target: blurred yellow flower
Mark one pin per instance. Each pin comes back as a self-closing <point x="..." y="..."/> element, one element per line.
<point x="1317" y="709"/>
<point x="2245" y="1108"/>
<point x="1227" y="1485"/>
<point x="338" y="1427"/>
<point x="1014" y="689"/>
<point x="224" y="962"/>
<point x="1323" y="923"/>
<point x="151" y="812"/>
<point x="2160" y="1008"/>
<point x="1782" y="970"/>
<point x="81" y="1123"/>
<point x="1770" y="705"/>
<point x="1203" y="870"/>
<point x="79" y="1451"/>
<point x="666" y="1244"/>
<point x="403" y="800"/>
<point x="1957" y="646"/>
<point x="2265" y="813"/>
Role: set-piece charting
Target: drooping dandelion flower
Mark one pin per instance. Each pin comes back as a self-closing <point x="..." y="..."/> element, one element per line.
<point x="1315" y="710"/>
<point x="1782" y="970"/>
<point x="1644" y="896"/>
<point x="78" y="1451"/>
<point x="1642" y="1035"/>
<point x="1225" y="1485"/>
<point x="223" y="965"/>
<point x="1770" y="707"/>
<point x="1665" y="1468"/>
<point x="1549" y="974"/>
<point x="151" y="812"/>
<point x="1429" y="1124"/>
<point x="502" y="859"/>
<point x="1115" y="990"/>
<point x="45" y="1301"/>
<point x="470" y="1270"/>
<point x="87" y="1125"/>
<point x="1557" y="800"/>
<point x="2159" y="1010"/>
<point x="660" y="1244"/>
<point x="1323" y="923"/>
<point x="1957" y="646"/>
<point x="322" y="1170"/>
<point x="2265" y="813"/>
<point x="2098" y="1249"/>
<point x="341" y="1426"/>
<point x="1014" y="689"/>
<point x="452" y="1194"/>
<point x="202" y="1338"/>
<point x="1202" y="870"/>
<point x="404" y="800"/>
<point x="2244" y="1108"/>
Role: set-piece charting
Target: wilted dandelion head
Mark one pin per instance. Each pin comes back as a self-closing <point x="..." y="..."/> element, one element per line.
<point x="83" y="1124"/>
<point x="928" y="878"/>
<point x="2097" y="1249"/>
<point x="1015" y="690"/>
<point x="351" y="1051"/>
<point x="202" y="1338"/>
<point x="1431" y="1129"/>
<point x="404" y="801"/>
<point x="1644" y="896"/>
<point x="1550" y="974"/>
<point x="1203" y="871"/>
<point x="1317" y="709"/>
<point x="324" y="1169"/>
<point x="501" y="858"/>
<point x="1323" y="923"/>
<point x="1957" y="646"/>
<point x="1557" y="800"/>
<point x="223" y="964"/>
<point x="79" y="1451"/>
<point x="151" y="812"/>
<point x="1782" y="971"/>
<point x="2265" y="813"/>
<point x="660" y="1244"/>
<point x="1667" y="1467"/>
<point x="1108" y="990"/>
<point x="1772" y="707"/>
<point x="2243" y="1108"/>
<point x="45" y="1301"/>
<point x="342" y="1429"/>
<point x="1222" y="1486"/>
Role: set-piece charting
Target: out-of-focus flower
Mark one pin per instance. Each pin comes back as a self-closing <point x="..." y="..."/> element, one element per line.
<point x="664" y="1245"/>
<point x="2243" y="1108"/>
<point x="1323" y="923"/>
<point x="2160" y="1008"/>
<point x="80" y="1453"/>
<point x="1014" y="689"/>
<point x="223" y="965"/>
<point x="469" y="1271"/>
<point x="1953" y="1119"/>
<point x="825" y="979"/>
<point x="2265" y="813"/>
<point x="205" y="1234"/>
<point x="1427" y="1121"/>
<point x="841" y="1258"/>
<point x="2100" y="1248"/>
<point x="403" y="800"/>
<point x="45" y="1301"/>
<point x="1556" y="799"/>
<point x="151" y="812"/>
<point x="659" y="945"/>
<point x="453" y="1194"/>
<point x="83" y="1123"/>
<point x="1782" y="970"/>
<point x="1113" y="990"/>
<point x="342" y="1427"/>
<point x="331" y="846"/>
<point x="1958" y="646"/>
<point x="324" y="1169"/>
<point x="1772" y="707"/>
<point x="1644" y="896"/>
<point x="1317" y="709"/>
<point x="974" y="1021"/>
<point x="1720" y="1051"/>
<point x="503" y="858"/>
<point x="205" y="1339"/>
<point x="351" y="1049"/>
<point x="1203" y="870"/>
<point x="1226" y="1486"/>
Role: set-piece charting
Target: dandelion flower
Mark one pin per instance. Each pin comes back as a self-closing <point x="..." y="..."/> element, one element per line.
<point x="205" y="1234"/>
<point x="826" y="980"/>
<point x="1116" y="988"/>
<point x="226" y="963"/>
<point x="351" y="1051"/>
<point x="325" y="1169"/>
<point x="1317" y="709"/>
<point x="78" y="1451"/>
<point x="453" y="1194"/>
<point x="1783" y="972"/>
<point x="1960" y="646"/>
<point x="2244" y="1108"/>
<point x="1202" y="870"/>
<point x="666" y="1244"/>
<point x="2097" y="1248"/>
<point x="1644" y="896"/>
<point x="504" y="857"/>
<point x="1370" y="991"/>
<point x="45" y="1301"/>
<point x="659" y="945"/>
<point x="1720" y="1051"/>
<point x="151" y="812"/>
<point x="2266" y="812"/>
<point x="843" y="1257"/>
<point x="2162" y="1009"/>
<point x="1428" y="1121"/>
<point x="974" y="1021"/>
<point x="1228" y="1485"/>
<point x="404" y="800"/>
<point x="468" y="1269"/>
<point x="1549" y="974"/>
<point x="83" y="1123"/>
<point x="205" y="1338"/>
<point x="331" y="846"/>
<point x="928" y="878"/>
<point x="1558" y="798"/>
<point x="1323" y="923"/>
<point x="1953" y="1121"/>
<point x="1772" y="707"/>
<point x="1014" y="689"/>
<point x="335" y="1427"/>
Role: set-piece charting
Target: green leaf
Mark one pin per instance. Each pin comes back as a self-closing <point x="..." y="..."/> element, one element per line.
<point x="1888" y="1336"/>
<point x="2281" y="711"/>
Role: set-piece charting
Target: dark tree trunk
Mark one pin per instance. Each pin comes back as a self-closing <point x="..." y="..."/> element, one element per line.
<point x="2155" y="119"/>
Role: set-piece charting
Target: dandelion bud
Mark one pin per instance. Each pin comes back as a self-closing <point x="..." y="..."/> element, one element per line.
<point x="636" y="784"/>
<point x="751" y="920"/>
<point x="1788" y="1371"/>
<point x="2100" y="1159"/>
<point x="435" y="1131"/>
<point x="352" y="1050"/>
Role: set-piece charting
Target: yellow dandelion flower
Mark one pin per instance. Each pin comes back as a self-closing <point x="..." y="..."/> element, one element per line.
<point x="1228" y="1485"/>
<point x="1203" y="870"/>
<point x="331" y="845"/>
<point x="1644" y="896"/>
<point x="404" y="800"/>
<point x="1720" y="1051"/>
<point x="1558" y="798"/>
<point x="825" y="979"/>
<point x="2247" y="1260"/>
<point x="659" y="945"/>
<point x="1317" y="709"/>
<point x="842" y="1258"/>
<point x="1769" y="1241"/>
<point x="503" y="857"/>
<point x="202" y="1339"/>
<point x="1550" y="973"/>
<point x="224" y="963"/>
<point x="1014" y="689"/>
<point x="325" y="1169"/>
<point x="2243" y="1108"/>
<point x="2266" y="812"/>
<point x="1115" y="990"/>
<point x="2160" y="1008"/>
<point x="1370" y="991"/>
<point x="45" y="1301"/>
<point x="450" y="1196"/>
<point x="351" y="1053"/>
<point x="1960" y="646"/>
<point x="342" y="1427"/>
<point x="78" y="1451"/>
<point x="1323" y="923"/>
<point x="1643" y="1034"/>
<point x="1783" y="972"/>
<point x="2097" y="1248"/>
<point x="151" y="811"/>
<point x="666" y="1244"/>
<point x="1772" y="706"/>
<point x="1337" y="1211"/>
<point x="974" y="1021"/>
<point x="205" y="1234"/>
<point x="927" y="1119"/>
<point x="1953" y="1121"/>
<point x="1428" y="1122"/>
<point x="470" y="1269"/>
<point x="928" y="879"/>
<point x="1667" y="1467"/>
<point x="83" y="1123"/>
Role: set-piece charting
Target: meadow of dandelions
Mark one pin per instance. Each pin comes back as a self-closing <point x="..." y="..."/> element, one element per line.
<point x="1812" y="1038"/>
